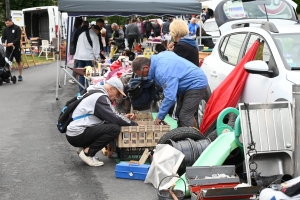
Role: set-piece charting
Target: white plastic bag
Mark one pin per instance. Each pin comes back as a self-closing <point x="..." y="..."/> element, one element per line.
<point x="166" y="161"/>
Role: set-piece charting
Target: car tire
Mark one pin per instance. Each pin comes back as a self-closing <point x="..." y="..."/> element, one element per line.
<point x="181" y="133"/>
<point x="201" y="108"/>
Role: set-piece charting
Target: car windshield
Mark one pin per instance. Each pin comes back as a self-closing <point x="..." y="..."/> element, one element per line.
<point x="210" y="26"/>
<point x="275" y="9"/>
<point x="289" y="46"/>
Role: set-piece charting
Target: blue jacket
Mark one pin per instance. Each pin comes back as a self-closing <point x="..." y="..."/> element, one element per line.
<point x="175" y="75"/>
<point x="193" y="28"/>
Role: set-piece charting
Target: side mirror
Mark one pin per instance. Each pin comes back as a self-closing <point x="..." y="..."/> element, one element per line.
<point x="257" y="67"/>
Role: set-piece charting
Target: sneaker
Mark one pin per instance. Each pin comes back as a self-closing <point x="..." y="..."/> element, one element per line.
<point x="71" y="81"/>
<point x="79" y="150"/>
<point x="20" y="78"/>
<point x="91" y="161"/>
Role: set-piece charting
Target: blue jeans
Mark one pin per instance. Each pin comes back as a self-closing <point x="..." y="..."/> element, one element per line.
<point x="83" y="64"/>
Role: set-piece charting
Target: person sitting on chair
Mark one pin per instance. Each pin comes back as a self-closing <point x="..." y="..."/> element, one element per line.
<point x="118" y="36"/>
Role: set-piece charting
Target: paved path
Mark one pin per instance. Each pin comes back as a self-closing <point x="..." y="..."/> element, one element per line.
<point x="36" y="161"/>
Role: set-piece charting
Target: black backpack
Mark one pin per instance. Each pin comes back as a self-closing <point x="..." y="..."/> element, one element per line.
<point x="65" y="117"/>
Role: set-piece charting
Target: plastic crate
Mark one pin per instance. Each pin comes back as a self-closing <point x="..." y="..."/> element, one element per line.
<point x="141" y="136"/>
<point x="127" y="154"/>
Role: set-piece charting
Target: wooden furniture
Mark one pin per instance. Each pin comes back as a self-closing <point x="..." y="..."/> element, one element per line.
<point x="26" y="47"/>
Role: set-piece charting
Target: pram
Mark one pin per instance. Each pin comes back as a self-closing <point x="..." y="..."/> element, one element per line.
<point x="5" y="67"/>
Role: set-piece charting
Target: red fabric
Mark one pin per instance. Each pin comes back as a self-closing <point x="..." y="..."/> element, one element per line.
<point x="115" y="65"/>
<point x="227" y="94"/>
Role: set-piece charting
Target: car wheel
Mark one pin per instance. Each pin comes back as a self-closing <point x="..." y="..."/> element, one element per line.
<point x="201" y="107"/>
<point x="181" y="133"/>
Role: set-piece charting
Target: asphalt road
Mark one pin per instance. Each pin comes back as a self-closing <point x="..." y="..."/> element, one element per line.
<point x="36" y="161"/>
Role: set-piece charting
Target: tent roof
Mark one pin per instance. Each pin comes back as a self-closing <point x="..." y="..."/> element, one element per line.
<point x="128" y="7"/>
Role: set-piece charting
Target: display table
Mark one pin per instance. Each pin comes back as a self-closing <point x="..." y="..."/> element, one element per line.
<point x="203" y="55"/>
<point x="153" y="44"/>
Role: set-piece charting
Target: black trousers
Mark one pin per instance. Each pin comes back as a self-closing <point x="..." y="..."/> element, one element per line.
<point x="148" y="33"/>
<point x="131" y="39"/>
<point x="95" y="137"/>
<point x="187" y="105"/>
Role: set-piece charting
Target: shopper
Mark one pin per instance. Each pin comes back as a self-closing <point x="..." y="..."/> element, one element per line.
<point x="100" y="123"/>
<point x="102" y="33"/>
<point x="184" y="45"/>
<point x="193" y="27"/>
<point x="132" y="32"/>
<point x="87" y="52"/>
<point x="181" y="80"/>
<point x="118" y="36"/>
<point x="11" y="37"/>
<point x="148" y="27"/>
<point x="156" y="28"/>
<point x="166" y="26"/>
<point x="78" y="25"/>
<point x="140" y="25"/>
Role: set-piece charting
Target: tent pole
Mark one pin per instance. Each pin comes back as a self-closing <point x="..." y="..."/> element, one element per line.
<point x="57" y="58"/>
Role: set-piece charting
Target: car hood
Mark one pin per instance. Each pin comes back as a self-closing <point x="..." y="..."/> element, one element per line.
<point x="293" y="76"/>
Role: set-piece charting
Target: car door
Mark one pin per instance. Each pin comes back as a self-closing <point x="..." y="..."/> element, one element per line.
<point x="221" y="62"/>
<point x="257" y="85"/>
<point x="229" y="54"/>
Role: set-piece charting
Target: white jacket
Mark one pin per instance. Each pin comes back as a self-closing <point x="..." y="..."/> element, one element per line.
<point x="84" y="51"/>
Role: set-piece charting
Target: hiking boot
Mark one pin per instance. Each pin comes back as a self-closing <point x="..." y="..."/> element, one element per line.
<point x="91" y="161"/>
<point x="20" y="78"/>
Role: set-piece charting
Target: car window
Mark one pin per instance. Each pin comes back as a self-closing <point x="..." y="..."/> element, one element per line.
<point x="239" y="9"/>
<point x="289" y="47"/>
<point x="264" y="53"/>
<point x="231" y="47"/>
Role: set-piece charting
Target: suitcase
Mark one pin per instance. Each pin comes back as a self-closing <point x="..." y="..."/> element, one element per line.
<point x="132" y="170"/>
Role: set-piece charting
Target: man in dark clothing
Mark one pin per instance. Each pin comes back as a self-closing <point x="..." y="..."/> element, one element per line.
<point x="109" y="32"/>
<point x="12" y="35"/>
<point x="165" y="27"/>
<point x="100" y="23"/>
<point x="118" y="38"/>
<point x="148" y="27"/>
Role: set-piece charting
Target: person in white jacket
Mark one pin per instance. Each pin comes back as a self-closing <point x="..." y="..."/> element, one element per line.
<point x="87" y="52"/>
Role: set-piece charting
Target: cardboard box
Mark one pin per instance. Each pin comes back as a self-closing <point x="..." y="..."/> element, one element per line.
<point x="141" y="136"/>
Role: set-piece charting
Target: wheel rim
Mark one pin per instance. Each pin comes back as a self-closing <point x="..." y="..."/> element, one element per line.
<point x="200" y="113"/>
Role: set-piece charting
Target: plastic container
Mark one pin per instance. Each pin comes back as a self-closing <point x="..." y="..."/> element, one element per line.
<point x="131" y="170"/>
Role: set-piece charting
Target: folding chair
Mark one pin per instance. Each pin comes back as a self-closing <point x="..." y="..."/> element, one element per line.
<point x="46" y="48"/>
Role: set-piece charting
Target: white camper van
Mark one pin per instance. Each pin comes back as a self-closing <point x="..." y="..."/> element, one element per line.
<point x="41" y="22"/>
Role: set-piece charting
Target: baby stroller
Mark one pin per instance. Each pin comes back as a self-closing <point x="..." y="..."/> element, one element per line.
<point x="5" y="68"/>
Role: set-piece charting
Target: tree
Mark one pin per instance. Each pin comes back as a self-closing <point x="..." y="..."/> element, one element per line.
<point x="298" y="7"/>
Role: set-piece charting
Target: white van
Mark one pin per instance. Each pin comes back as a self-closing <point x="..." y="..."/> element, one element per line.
<point x="41" y="22"/>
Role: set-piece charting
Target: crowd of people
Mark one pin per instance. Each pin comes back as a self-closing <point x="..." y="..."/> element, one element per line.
<point x="174" y="69"/>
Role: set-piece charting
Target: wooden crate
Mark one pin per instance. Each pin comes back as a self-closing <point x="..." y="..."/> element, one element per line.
<point x="146" y="135"/>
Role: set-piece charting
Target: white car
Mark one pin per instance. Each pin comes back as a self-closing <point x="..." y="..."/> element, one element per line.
<point x="210" y="26"/>
<point x="271" y="78"/>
